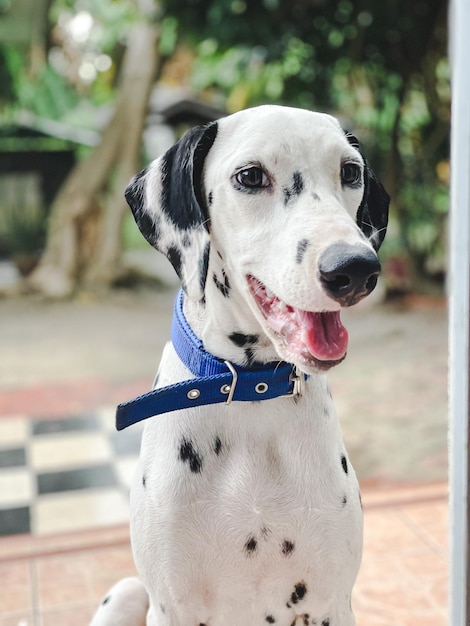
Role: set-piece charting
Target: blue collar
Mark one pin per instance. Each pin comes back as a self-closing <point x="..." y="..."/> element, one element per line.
<point x="215" y="381"/>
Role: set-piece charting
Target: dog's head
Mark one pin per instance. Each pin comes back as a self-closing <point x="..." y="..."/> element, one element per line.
<point x="287" y="212"/>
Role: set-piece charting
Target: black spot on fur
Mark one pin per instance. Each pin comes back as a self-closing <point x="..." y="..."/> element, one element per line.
<point x="189" y="455"/>
<point x="306" y="617"/>
<point x="223" y="287"/>
<point x="148" y="227"/>
<point x="241" y="340"/>
<point x="345" y="500"/>
<point x="270" y="619"/>
<point x="186" y="240"/>
<point x="295" y="189"/>
<point x="249" y="356"/>
<point x="217" y="445"/>
<point x="326" y="622"/>
<point x="106" y="600"/>
<point x="210" y="198"/>
<point x="144" y="480"/>
<point x="316" y="197"/>
<point x="251" y="545"/>
<point x="354" y="141"/>
<point x="344" y="463"/>
<point x="203" y="265"/>
<point x="298" y="183"/>
<point x="174" y="256"/>
<point x="301" y="249"/>
<point x="300" y="590"/>
<point x="287" y="547"/>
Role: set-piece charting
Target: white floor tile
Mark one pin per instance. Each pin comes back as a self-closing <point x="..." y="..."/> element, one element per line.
<point x="107" y="418"/>
<point x="14" y="431"/>
<point x="65" y="451"/>
<point x="16" y="487"/>
<point x="74" y="511"/>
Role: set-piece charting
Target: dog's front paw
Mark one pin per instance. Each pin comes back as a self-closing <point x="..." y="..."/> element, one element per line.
<point x="125" y="604"/>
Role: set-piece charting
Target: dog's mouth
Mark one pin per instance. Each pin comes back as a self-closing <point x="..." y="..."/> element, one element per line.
<point x="314" y="339"/>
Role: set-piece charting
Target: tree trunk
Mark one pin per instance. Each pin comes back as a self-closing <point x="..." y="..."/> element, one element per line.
<point x="84" y="233"/>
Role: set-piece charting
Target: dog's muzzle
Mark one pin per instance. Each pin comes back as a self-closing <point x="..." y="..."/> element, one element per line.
<point x="348" y="272"/>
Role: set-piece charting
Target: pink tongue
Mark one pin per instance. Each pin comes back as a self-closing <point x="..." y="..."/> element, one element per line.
<point x="324" y="335"/>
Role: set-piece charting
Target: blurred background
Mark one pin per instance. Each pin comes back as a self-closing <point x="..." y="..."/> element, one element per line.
<point x="90" y="92"/>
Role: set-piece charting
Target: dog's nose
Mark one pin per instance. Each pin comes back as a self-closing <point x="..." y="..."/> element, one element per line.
<point x="348" y="272"/>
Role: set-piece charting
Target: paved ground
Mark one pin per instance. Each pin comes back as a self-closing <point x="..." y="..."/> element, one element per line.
<point x="390" y="392"/>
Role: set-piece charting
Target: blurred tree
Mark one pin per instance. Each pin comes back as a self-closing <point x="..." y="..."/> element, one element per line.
<point x="84" y="233"/>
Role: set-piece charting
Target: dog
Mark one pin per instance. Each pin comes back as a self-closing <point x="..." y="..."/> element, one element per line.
<point x="246" y="510"/>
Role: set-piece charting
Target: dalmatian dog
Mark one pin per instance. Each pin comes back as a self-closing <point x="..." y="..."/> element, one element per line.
<point x="249" y="513"/>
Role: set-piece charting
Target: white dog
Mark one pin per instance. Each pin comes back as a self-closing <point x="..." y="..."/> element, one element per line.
<point x="245" y="508"/>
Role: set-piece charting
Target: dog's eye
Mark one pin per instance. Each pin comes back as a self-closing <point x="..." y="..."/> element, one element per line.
<point x="351" y="175"/>
<point x="252" y="178"/>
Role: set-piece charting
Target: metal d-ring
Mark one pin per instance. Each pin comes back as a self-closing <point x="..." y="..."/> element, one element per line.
<point x="230" y="389"/>
<point x="298" y="379"/>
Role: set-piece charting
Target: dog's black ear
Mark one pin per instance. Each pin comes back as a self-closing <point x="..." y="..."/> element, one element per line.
<point x="372" y="214"/>
<point x="167" y="201"/>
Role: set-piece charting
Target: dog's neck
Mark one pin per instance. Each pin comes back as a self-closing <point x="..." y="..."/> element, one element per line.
<point x="224" y="308"/>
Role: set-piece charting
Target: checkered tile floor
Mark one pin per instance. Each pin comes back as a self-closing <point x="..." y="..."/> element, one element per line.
<point x="59" y="475"/>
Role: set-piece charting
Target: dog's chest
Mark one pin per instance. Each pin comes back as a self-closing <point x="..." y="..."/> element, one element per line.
<point x="248" y="501"/>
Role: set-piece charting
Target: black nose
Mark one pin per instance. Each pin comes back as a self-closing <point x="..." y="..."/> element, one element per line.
<point x="348" y="273"/>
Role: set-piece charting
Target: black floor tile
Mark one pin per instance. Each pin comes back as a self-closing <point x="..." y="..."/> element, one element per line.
<point x="15" y="521"/>
<point x="70" y="480"/>
<point x="12" y="457"/>
<point x="65" y="424"/>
